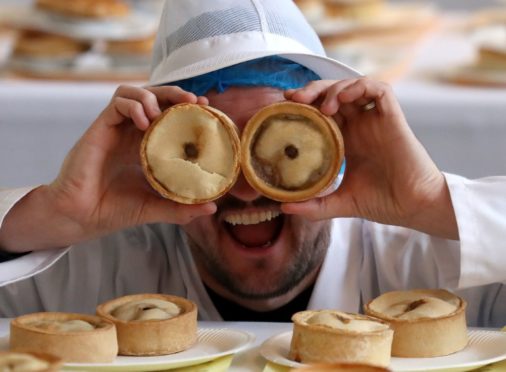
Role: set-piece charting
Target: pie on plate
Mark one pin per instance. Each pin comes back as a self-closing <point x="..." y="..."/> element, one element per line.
<point x="75" y="338"/>
<point x="152" y="324"/>
<point x="426" y="322"/>
<point x="331" y="336"/>
<point x="190" y="154"/>
<point x="291" y="151"/>
<point x="28" y="361"/>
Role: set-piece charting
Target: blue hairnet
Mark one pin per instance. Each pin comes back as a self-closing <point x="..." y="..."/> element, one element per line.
<point x="272" y="71"/>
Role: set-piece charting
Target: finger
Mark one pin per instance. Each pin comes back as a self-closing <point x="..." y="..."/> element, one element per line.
<point x="330" y="104"/>
<point x="148" y="99"/>
<point x="326" y="207"/>
<point x="169" y="95"/>
<point x="167" y="211"/>
<point x="364" y="91"/>
<point x="130" y="109"/>
<point x="311" y="92"/>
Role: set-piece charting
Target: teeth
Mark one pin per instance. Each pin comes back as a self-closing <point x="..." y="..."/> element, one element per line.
<point x="251" y="218"/>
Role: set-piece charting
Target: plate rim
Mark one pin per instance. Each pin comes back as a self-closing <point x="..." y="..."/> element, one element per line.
<point x="471" y="365"/>
<point x="155" y="365"/>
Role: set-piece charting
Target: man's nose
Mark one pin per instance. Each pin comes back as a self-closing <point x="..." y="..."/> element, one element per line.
<point x="243" y="191"/>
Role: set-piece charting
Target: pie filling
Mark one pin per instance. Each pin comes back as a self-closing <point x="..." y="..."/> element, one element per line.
<point x="289" y="152"/>
<point x="340" y="320"/>
<point x="423" y="307"/>
<point x="73" y="325"/>
<point x="146" y="309"/>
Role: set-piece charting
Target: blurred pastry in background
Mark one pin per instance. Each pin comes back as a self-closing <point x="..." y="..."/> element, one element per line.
<point x="85" y="8"/>
<point x="45" y="47"/>
<point x="354" y="9"/>
<point x="376" y="37"/>
<point x="488" y="67"/>
<point x="313" y="10"/>
<point x="31" y="43"/>
<point x="130" y="53"/>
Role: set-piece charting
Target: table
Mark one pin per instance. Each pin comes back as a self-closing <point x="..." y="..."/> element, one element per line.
<point x="246" y="361"/>
<point x="463" y="128"/>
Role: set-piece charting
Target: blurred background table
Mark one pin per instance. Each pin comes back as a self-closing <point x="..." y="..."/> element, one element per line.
<point x="462" y="127"/>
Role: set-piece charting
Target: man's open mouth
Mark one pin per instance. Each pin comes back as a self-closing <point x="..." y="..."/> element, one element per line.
<point x="254" y="229"/>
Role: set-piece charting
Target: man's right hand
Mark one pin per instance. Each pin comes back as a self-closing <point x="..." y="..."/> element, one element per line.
<point x="101" y="187"/>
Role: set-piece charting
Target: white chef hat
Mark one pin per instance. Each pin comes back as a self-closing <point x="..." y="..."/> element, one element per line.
<point x="196" y="37"/>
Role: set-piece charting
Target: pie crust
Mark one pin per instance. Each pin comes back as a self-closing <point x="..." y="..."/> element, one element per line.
<point x="338" y="367"/>
<point x="191" y="153"/>
<point x="85" y="8"/>
<point x="426" y="322"/>
<point x="153" y="337"/>
<point x="36" y="332"/>
<point x="291" y="151"/>
<point x="28" y="361"/>
<point x="331" y="336"/>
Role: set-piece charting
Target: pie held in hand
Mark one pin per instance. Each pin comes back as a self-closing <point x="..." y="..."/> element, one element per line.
<point x="190" y="154"/>
<point x="426" y="322"/>
<point x="152" y="324"/>
<point x="28" y="361"/>
<point x="75" y="338"/>
<point x="291" y="152"/>
<point x="331" y="336"/>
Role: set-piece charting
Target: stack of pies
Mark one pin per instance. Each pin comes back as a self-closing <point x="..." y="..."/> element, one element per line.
<point x="152" y="324"/>
<point x="426" y="322"/>
<point x="190" y="154"/>
<point x="27" y="361"/>
<point x="291" y="152"/>
<point x="331" y="336"/>
<point x="76" y="338"/>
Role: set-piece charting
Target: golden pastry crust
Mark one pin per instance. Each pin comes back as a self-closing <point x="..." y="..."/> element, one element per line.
<point x="130" y="47"/>
<point x="360" y="339"/>
<point x="190" y="153"/>
<point x="37" y="44"/>
<point x="144" y="337"/>
<point x="98" y="345"/>
<point x="426" y="322"/>
<point x="85" y="8"/>
<point x="29" y="361"/>
<point x="491" y="58"/>
<point x="338" y="367"/>
<point x="291" y="151"/>
<point x="354" y="9"/>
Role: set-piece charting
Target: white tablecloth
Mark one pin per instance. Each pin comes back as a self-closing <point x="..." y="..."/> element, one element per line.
<point x="464" y="129"/>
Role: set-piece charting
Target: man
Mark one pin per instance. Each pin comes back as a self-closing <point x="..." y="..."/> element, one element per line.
<point x="394" y="222"/>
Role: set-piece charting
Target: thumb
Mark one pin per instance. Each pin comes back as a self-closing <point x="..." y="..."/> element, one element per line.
<point x="330" y="206"/>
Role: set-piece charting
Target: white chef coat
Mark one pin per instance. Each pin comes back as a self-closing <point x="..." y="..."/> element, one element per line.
<point x="364" y="259"/>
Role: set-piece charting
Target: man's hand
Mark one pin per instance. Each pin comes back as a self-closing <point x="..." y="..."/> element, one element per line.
<point x="101" y="187"/>
<point x="389" y="176"/>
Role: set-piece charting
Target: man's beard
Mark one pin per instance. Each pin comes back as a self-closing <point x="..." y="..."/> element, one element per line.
<point x="308" y="254"/>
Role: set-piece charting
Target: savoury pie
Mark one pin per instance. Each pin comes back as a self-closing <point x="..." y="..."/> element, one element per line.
<point x="152" y="324"/>
<point x="339" y="367"/>
<point x="331" y="336"/>
<point x="426" y="322"/>
<point x="190" y="154"/>
<point x="28" y="361"/>
<point x="291" y="151"/>
<point x="75" y="338"/>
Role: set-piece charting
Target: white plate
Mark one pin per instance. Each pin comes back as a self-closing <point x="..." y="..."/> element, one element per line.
<point x="484" y="347"/>
<point x="211" y="344"/>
